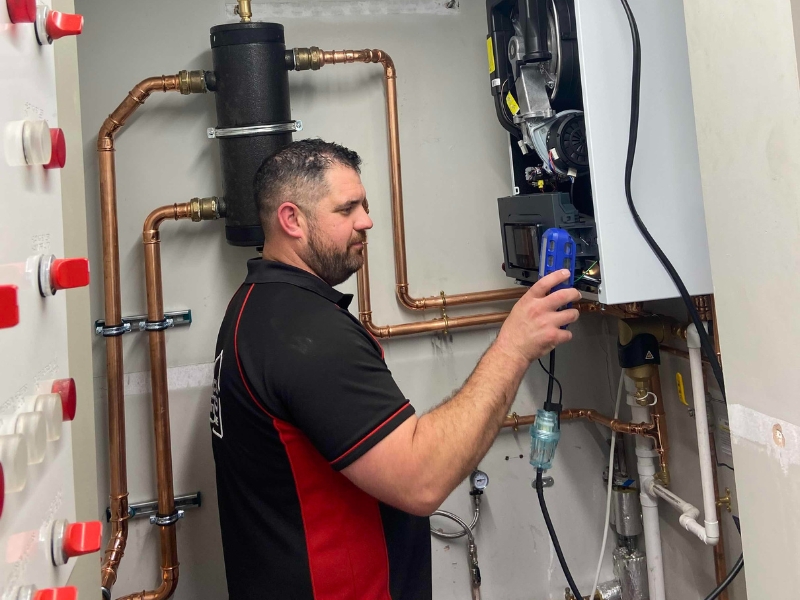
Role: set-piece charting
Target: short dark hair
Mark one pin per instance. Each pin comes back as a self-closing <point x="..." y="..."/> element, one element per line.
<point x="296" y="173"/>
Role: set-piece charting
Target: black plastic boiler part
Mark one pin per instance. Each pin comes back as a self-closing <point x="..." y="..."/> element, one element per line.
<point x="251" y="81"/>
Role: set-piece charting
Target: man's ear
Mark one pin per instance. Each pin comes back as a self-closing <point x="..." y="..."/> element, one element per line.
<point x="291" y="220"/>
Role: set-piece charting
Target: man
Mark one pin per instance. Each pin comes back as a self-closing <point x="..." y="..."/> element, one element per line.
<point x="325" y="474"/>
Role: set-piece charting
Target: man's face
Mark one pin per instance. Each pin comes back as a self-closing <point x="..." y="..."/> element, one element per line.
<point x="337" y="227"/>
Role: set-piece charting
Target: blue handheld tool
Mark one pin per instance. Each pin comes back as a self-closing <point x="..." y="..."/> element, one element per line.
<point x="558" y="252"/>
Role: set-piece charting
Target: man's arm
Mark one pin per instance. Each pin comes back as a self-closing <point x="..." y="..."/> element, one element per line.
<point x="417" y="466"/>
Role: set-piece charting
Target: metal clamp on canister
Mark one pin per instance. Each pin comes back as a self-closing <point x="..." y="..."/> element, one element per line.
<point x="168" y="520"/>
<point x="113" y="331"/>
<point x="269" y="129"/>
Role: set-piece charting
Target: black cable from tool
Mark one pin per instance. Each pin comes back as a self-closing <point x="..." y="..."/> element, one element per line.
<point x="553" y="536"/>
<point x="705" y="340"/>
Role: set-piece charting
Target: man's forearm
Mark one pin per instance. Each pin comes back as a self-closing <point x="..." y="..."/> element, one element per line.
<point x="451" y="440"/>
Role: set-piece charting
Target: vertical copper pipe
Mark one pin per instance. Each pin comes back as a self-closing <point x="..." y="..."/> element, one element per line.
<point x="720" y="562"/>
<point x="158" y="378"/>
<point x="118" y="480"/>
<point x="660" y="416"/>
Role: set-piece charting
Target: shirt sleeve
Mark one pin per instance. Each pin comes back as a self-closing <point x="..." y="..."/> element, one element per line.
<point x="338" y="390"/>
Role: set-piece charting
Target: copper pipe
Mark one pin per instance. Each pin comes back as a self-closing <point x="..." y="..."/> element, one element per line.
<point x="650" y="430"/>
<point x="118" y="479"/>
<point x="720" y="562"/>
<point x="659" y="416"/>
<point x="158" y="377"/>
<point x="319" y="58"/>
<point x="186" y="83"/>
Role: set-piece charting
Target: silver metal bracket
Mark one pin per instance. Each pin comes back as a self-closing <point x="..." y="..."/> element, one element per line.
<point x="547" y="482"/>
<point x="272" y="128"/>
<point x="176" y="318"/>
<point x="156" y="325"/>
<point x="150" y="509"/>
<point x="168" y="520"/>
<point x="116" y="331"/>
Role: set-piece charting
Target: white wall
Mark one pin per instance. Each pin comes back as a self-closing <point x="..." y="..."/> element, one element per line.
<point x="743" y="56"/>
<point x="455" y="163"/>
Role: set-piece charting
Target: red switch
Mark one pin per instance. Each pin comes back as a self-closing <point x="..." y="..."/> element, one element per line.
<point x="83" y="538"/>
<point x="64" y="593"/>
<point x="9" y="309"/>
<point x="21" y="11"/>
<point x="58" y="158"/>
<point x="60" y="24"/>
<point x="69" y="396"/>
<point x="68" y="273"/>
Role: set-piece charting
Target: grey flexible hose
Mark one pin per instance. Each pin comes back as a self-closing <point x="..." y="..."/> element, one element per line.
<point x="459" y="534"/>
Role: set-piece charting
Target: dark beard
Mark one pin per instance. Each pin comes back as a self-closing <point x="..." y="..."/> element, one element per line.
<point x="331" y="264"/>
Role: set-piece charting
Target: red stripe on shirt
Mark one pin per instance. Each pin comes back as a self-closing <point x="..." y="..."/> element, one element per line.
<point x="371" y="433"/>
<point x="347" y="553"/>
<point x="236" y="354"/>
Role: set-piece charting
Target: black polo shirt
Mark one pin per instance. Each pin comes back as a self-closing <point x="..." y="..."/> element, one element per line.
<point x="301" y="391"/>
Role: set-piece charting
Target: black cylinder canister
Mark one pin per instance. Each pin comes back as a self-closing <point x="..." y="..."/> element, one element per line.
<point x="251" y="81"/>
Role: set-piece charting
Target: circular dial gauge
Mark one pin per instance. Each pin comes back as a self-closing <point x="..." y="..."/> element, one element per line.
<point x="479" y="480"/>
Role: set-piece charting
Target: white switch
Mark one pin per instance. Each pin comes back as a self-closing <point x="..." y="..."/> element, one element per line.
<point x="49" y="405"/>
<point x="28" y="143"/>
<point x="32" y="427"/>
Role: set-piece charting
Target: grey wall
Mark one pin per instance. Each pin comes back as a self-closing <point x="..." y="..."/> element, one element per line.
<point x="455" y="161"/>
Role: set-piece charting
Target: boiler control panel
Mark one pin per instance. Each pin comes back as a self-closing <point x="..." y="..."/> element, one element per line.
<point x="39" y="537"/>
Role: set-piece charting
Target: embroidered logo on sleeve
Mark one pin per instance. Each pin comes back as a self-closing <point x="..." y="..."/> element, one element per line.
<point x="216" y="403"/>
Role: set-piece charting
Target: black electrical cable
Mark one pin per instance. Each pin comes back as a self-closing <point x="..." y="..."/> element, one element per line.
<point x="727" y="581"/>
<point x="705" y="340"/>
<point x="553" y="536"/>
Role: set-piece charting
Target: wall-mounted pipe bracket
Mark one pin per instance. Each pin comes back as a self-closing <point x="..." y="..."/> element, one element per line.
<point x="115" y="331"/>
<point x="178" y="318"/>
<point x="168" y="520"/>
<point x="547" y="482"/>
<point x="150" y="509"/>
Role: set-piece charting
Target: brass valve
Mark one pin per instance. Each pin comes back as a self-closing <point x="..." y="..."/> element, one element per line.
<point x="725" y="501"/>
<point x="204" y="209"/>
<point x="244" y="10"/>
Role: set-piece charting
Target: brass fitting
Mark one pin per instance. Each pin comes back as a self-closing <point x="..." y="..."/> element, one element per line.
<point x="192" y="82"/>
<point x="204" y="209"/>
<point x="244" y="10"/>
<point x="307" y="59"/>
<point x="641" y="377"/>
<point x="661" y="327"/>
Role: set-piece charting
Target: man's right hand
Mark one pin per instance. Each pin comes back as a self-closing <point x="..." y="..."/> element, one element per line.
<point x="533" y="328"/>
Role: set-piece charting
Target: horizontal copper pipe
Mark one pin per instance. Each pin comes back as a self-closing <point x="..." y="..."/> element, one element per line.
<point x="118" y="480"/>
<point x="515" y="421"/>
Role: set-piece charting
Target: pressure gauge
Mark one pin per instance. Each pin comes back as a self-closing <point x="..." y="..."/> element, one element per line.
<point x="479" y="480"/>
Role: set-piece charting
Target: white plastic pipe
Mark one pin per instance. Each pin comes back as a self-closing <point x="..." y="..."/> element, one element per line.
<point x="710" y="532"/>
<point x="689" y="512"/>
<point x="646" y="463"/>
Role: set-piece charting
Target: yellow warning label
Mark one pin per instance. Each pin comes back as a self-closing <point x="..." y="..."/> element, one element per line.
<point x="490" y="50"/>
<point x="681" y="389"/>
<point x="512" y="104"/>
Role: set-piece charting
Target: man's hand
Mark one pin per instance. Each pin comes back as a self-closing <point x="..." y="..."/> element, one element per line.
<point x="534" y="326"/>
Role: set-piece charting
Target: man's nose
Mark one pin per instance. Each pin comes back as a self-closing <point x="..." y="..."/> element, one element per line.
<point x="364" y="222"/>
